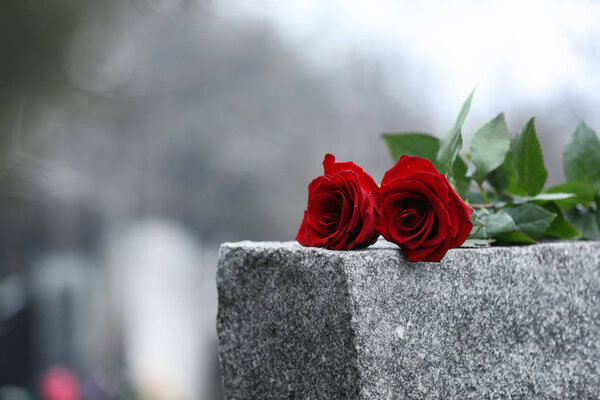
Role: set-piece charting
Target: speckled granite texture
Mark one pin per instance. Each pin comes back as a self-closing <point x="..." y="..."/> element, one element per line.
<point x="494" y="323"/>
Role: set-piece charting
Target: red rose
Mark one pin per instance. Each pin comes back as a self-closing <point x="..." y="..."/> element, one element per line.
<point x="420" y="211"/>
<point x="341" y="208"/>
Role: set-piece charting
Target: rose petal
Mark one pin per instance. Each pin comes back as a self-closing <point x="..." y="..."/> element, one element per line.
<point x="424" y="254"/>
<point x="322" y="203"/>
<point x="404" y="237"/>
<point x="332" y="167"/>
<point x="407" y="166"/>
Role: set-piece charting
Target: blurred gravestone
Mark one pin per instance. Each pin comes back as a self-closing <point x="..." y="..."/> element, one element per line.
<point x="16" y="362"/>
<point x="166" y="301"/>
<point x="69" y="318"/>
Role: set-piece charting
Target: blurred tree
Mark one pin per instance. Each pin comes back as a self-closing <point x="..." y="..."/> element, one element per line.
<point x="33" y="37"/>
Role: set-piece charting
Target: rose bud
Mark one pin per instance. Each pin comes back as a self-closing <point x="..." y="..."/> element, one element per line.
<point x="341" y="208"/>
<point x="420" y="212"/>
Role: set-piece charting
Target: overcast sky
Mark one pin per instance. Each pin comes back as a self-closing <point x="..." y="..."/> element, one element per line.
<point x="513" y="51"/>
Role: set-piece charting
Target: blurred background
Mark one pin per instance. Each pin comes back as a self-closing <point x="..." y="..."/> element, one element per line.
<point x="137" y="135"/>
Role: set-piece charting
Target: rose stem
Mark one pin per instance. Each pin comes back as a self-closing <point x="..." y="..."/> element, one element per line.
<point x="482" y="206"/>
<point x="483" y="195"/>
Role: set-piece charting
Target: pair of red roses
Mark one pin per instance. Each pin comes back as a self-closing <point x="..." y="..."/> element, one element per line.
<point x="415" y="207"/>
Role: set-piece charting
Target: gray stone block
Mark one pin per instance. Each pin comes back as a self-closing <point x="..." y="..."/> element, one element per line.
<point x="500" y="322"/>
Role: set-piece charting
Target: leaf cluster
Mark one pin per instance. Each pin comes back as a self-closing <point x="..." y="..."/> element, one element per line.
<point x="503" y="178"/>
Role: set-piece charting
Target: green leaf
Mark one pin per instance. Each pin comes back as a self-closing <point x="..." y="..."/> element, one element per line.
<point x="463" y="184"/>
<point x="489" y="147"/>
<point x="412" y="144"/>
<point x="495" y="224"/>
<point x="474" y="198"/>
<point x="585" y="221"/>
<point x="543" y="197"/>
<point x="560" y="227"/>
<point x="598" y="210"/>
<point x="530" y="219"/>
<point x="540" y="198"/>
<point x="477" y="243"/>
<point x="582" y="155"/>
<point x="584" y="193"/>
<point x="514" y="238"/>
<point x="500" y="177"/>
<point x="451" y="142"/>
<point x="477" y="223"/>
<point x="514" y="189"/>
<point x="528" y="160"/>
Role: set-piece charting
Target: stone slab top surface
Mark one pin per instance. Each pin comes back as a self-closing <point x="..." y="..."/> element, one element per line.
<point x="499" y="322"/>
<point x="384" y="248"/>
<point x="384" y="244"/>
